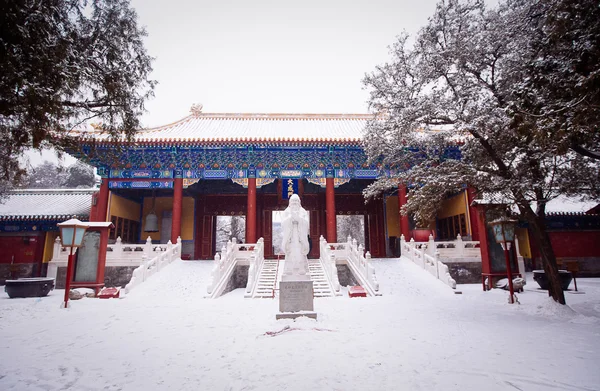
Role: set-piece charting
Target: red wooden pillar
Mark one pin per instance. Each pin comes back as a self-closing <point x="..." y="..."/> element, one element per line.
<point x="102" y="206"/>
<point x="177" y="205"/>
<point x="404" y="227"/>
<point x="473" y="220"/>
<point x="330" y="208"/>
<point x="483" y="242"/>
<point x="251" y="212"/>
<point x="199" y="210"/>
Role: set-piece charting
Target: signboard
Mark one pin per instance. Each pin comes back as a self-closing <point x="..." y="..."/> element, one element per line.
<point x="290" y="186"/>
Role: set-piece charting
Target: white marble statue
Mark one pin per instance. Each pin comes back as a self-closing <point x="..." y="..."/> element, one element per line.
<point x="295" y="238"/>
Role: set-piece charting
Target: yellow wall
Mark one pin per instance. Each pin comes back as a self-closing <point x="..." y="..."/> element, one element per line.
<point x="166" y="204"/>
<point x="49" y="246"/>
<point x="122" y="207"/>
<point x="393" y="216"/>
<point x="524" y="247"/>
<point x="453" y="206"/>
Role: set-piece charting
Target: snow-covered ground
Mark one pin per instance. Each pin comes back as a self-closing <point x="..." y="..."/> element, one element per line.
<point x="417" y="336"/>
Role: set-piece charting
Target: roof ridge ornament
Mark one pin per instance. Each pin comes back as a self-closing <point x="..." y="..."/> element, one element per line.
<point x="196" y="109"/>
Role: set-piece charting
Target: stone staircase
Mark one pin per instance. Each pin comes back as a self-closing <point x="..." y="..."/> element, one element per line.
<point x="270" y="274"/>
<point x="321" y="285"/>
<point x="267" y="280"/>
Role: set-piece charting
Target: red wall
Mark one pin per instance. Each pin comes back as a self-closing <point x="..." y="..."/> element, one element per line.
<point x="25" y="249"/>
<point x="572" y="244"/>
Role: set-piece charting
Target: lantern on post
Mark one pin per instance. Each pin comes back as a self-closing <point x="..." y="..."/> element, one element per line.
<point x="71" y="235"/>
<point x="504" y="233"/>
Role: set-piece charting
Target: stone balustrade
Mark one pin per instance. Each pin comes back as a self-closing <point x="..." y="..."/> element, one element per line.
<point x="117" y="254"/>
<point x="234" y="253"/>
<point x="256" y="261"/>
<point x="150" y="266"/>
<point x="420" y="254"/>
<point x="328" y="261"/>
<point x="357" y="260"/>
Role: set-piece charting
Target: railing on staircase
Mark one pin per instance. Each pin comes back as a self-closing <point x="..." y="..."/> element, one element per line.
<point x="328" y="262"/>
<point x="257" y="260"/>
<point x="420" y="254"/>
<point x="161" y="256"/>
<point x="354" y="256"/>
<point x="225" y="262"/>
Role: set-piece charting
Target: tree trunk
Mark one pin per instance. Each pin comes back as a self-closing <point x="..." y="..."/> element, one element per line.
<point x="548" y="261"/>
<point x="537" y="226"/>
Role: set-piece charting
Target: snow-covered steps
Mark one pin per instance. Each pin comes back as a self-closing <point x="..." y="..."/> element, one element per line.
<point x="321" y="285"/>
<point x="267" y="280"/>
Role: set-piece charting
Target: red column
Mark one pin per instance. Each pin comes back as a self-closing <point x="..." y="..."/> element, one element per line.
<point x="102" y="206"/>
<point x="102" y="258"/>
<point x="473" y="220"/>
<point x="177" y="205"/>
<point x="483" y="242"/>
<point x="404" y="228"/>
<point x="251" y="212"/>
<point x="330" y="208"/>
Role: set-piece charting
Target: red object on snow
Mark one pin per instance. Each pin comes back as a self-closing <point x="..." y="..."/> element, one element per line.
<point x="357" y="291"/>
<point x="107" y="293"/>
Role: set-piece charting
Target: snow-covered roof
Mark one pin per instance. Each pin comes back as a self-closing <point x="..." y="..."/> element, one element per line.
<point x="564" y="204"/>
<point x="559" y="205"/>
<point x="46" y="204"/>
<point x="249" y="127"/>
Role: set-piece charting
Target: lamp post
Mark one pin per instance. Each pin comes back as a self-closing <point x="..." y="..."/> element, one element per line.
<point x="71" y="235"/>
<point x="504" y="233"/>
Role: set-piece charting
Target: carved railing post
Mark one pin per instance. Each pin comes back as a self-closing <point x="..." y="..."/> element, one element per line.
<point x="169" y="251"/>
<point x="460" y="245"/>
<point x="431" y="247"/>
<point x="118" y="248"/>
<point x="148" y="247"/>
<point x="57" y="248"/>
<point x="144" y="267"/>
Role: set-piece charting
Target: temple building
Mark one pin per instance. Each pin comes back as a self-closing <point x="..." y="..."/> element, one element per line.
<point x="183" y="179"/>
<point x="186" y="174"/>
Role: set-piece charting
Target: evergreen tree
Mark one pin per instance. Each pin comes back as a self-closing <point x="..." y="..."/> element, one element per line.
<point x="47" y="175"/>
<point x="65" y="62"/>
<point x="80" y="175"/>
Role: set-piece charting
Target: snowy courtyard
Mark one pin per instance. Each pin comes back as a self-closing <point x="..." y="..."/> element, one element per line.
<point x="418" y="336"/>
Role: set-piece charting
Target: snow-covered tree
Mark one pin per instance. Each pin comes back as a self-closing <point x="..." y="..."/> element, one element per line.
<point x="80" y="175"/>
<point x="65" y="62"/>
<point x="47" y="175"/>
<point x="461" y="84"/>
<point x="560" y="93"/>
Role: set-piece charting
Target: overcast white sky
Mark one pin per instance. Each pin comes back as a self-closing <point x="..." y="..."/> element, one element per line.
<point x="269" y="56"/>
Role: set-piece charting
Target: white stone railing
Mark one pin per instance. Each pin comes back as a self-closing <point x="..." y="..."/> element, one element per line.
<point x="118" y="254"/>
<point x="256" y="262"/>
<point x="454" y="249"/>
<point x="329" y="265"/>
<point x="225" y="262"/>
<point x="148" y="267"/>
<point x="419" y="253"/>
<point x="358" y="262"/>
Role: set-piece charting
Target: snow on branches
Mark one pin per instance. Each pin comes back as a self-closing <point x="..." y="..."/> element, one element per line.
<point x="463" y="80"/>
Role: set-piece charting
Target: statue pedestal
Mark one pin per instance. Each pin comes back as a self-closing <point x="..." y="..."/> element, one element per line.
<point x="296" y="297"/>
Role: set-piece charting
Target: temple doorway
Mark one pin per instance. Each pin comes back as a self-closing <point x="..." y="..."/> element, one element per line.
<point x="351" y="225"/>
<point x="227" y="228"/>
